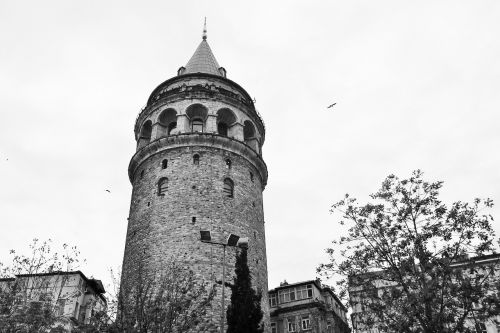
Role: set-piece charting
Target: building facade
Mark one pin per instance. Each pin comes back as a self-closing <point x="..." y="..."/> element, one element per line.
<point x="306" y="307"/>
<point x="198" y="166"/>
<point x="71" y="297"/>
<point x="363" y="295"/>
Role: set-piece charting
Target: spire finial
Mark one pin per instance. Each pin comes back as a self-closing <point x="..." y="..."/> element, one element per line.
<point x="205" y="29"/>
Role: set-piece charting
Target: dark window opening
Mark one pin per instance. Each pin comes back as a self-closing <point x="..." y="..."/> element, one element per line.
<point x="146" y="130"/>
<point x="228" y="188"/>
<point x="193" y="219"/>
<point x="162" y="186"/>
<point x="253" y="204"/>
<point x="196" y="159"/>
<point x="142" y="174"/>
<point x="228" y="163"/>
<point x="164" y="164"/>
<point x="149" y="203"/>
<point x="171" y="127"/>
<point x="251" y="176"/>
<point x="222" y="129"/>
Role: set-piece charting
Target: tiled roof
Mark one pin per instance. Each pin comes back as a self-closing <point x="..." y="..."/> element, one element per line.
<point x="203" y="61"/>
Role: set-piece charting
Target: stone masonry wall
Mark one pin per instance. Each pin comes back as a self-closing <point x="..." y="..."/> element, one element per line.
<point x="165" y="228"/>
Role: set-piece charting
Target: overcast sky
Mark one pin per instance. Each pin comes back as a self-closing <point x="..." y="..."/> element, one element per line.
<point x="417" y="85"/>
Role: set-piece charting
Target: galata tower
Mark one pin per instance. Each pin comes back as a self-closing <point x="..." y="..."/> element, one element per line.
<point x="198" y="166"/>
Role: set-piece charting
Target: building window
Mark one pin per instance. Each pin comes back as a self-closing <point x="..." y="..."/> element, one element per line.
<point x="272" y="300"/>
<point x="292" y="326"/>
<point x="228" y="163"/>
<point x="304" y="291"/>
<point x="197" y="125"/>
<point x="306" y="323"/>
<point x="329" y="327"/>
<point x="196" y="159"/>
<point x="162" y="186"/>
<point x="164" y="164"/>
<point x="61" y="303"/>
<point x="481" y="328"/>
<point x="228" y="188"/>
<point x="274" y="329"/>
<point x="251" y="176"/>
<point x="75" y="314"/>
<point x="293" y="294"/>
<point x="287" y="295"/>
<point x="81" y="316"/>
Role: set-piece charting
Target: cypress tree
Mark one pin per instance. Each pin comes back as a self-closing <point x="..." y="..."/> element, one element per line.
<point x="244" y="313"/>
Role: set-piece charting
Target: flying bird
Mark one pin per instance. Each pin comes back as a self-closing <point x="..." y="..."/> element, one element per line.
<point x="331" y="106"/>
<point x="108" y="191"/>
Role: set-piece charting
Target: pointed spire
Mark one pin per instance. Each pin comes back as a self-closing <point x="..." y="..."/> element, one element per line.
<point x="204" y="36"/>
<point x="203" y="60"/>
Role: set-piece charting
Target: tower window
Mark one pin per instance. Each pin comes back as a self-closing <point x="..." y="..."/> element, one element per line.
<point x="164" y="164"/>
<point x="228" y="188"/>
<point x="228" y="163"/>
<point x="197" y="125"/>
<point x="162" y="186"/>
<point x="222" y="129"/>
<point x="146" y="130"/>
<point x="251" y="176"/>
<point x="142" y="174"/>
<point x="171" y="127"/>
<point x="196" y="159"/>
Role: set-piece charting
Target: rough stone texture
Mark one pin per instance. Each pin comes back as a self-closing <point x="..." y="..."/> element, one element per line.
<point x="164" y="228"/>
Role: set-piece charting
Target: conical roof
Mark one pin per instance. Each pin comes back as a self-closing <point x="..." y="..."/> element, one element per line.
<point x="203" y="60"/>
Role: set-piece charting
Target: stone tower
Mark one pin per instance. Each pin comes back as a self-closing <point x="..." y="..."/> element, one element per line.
<point x="198" y="166"/>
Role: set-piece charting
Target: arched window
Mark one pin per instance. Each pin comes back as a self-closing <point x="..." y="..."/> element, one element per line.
<point x="248" y="130"/>
<point x="197" y="125"/>
<point x="197" y="115"/>
<point x="162" y="186"/>
<point x="222" y="129"/>
<point x="146" y="130"/>
<point x="228" y="188"/>
<point x="196" y="159"/>
<point x="164" y="164"/>
<point x="225" y="119"/>
<point x="228" y="163"/>
<point x="167" y="122"/>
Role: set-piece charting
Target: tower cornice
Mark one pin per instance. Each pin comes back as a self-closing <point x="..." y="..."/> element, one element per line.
<point x="211" y="140"/>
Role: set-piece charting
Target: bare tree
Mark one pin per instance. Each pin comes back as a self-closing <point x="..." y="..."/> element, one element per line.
<point x="171" y="301"/>
<point x="32" y="287"/>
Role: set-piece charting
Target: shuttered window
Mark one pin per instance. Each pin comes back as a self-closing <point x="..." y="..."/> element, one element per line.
<point x="228" y="187"/>
<point x="162" y="186"/>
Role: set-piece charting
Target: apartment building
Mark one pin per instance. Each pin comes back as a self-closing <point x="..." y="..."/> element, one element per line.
<point x="306" y="307"/>
<point x="69" y="297"/>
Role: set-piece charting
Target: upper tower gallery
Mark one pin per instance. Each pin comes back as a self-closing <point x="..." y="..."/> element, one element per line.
<point x="225" y="108"/>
